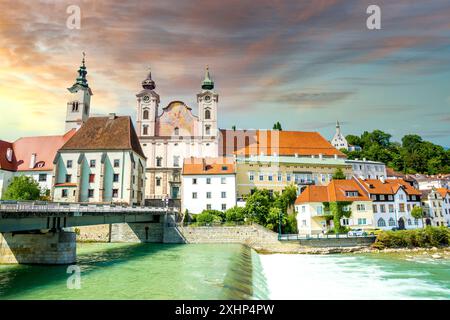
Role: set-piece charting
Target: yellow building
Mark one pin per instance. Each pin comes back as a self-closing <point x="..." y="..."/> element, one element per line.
<point x="274" y="173"/>
<point x="312" y="212"/>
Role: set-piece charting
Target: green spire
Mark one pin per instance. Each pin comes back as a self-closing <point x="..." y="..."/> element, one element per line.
<point x="207" y="83"/>
<point x="81" y="80"/>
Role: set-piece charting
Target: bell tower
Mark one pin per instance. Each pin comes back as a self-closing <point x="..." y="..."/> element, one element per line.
<point x="78" y="105"/>
<point x="147" y="108"/>
<point x="207" y="101"/>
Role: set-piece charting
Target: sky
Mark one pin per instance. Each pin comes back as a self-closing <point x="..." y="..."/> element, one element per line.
<point x="305" y="64"/>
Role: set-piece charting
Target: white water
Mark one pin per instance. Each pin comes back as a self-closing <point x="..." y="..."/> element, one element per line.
<point x="330" y="277"/>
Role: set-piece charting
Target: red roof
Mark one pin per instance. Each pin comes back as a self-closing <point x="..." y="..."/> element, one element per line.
<point x="336" y="190"/>
<point x="389" y="186"/>
<point x="283" y="143"/>
<point x="443" y="192"/>
<point x="204" y="166"/>
<point x="43" y="147"/>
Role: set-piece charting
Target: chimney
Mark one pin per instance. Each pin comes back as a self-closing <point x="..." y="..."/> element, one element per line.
<point x="33" y="160"/>
<point x="320" y="156"/>
<point x="112" y="116"/>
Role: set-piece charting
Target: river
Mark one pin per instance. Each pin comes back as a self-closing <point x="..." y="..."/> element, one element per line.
<point x="210" y="271"/>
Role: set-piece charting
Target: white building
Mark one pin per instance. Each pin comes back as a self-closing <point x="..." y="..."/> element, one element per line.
<point x="102" y="163"/>
<point x="393" y="200"/>
<point x="339" y="141"/>
<point x="434" y="202"/>
<point x="208" y="183"/>
<point x="367" y="169"/>
<point x="445" y="194"/>
<point x="175" y="134"/>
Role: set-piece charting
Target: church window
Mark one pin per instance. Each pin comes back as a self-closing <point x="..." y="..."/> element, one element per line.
<point x="145" y="130"/>
<point x="381" y="222"/>
<point x="207" y="114"/>
<point x="158" y="161"/>
<point x="176" y="131"/>
<point x="75" y="106"/>
<point x="176" y="161"/>
<point x="145" y="114"/>
<point x="208" y="129"/>
<point x="158" y="181"/>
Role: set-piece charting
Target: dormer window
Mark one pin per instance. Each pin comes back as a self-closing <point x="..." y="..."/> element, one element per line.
<point x="351" y="193"/>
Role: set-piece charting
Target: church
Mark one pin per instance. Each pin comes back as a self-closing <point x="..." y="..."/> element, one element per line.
<point x="170" y="135"/>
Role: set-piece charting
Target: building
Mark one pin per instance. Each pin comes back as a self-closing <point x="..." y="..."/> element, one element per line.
<point x="366" y="169"/>
<point x="208" y="183"/>
<point x="173" y="135"/>
<point x="433" y="203"/>
<point x="393" y="200"/>
<point x="314" y="217"/>
<point x="32" y="157"/>
<point x="445" y="194"/>
<point x="427" y="182"/>
<point x="102" y="163"/>
<point x="339" y="141"/>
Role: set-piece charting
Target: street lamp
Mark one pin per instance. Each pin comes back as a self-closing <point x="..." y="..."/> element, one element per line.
<point x="279" y="225"/>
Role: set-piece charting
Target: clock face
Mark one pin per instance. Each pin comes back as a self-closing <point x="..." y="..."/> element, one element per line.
<point x="146" y="99"/>
<point x="207" y="98"/>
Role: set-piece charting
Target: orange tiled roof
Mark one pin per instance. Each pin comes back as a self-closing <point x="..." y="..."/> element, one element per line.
<point x="443" y="192"/>
<point x="283" y="143"/>
<point x="390" y="186"/>
<point x="334" y="191"/>
<point x="202" y="166"/>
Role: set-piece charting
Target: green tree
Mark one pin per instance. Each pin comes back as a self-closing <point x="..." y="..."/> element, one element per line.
<point x="257" y="206"/>
<point x="209" y="216"/>
<point x="22" y="188"/>
<point x="417" y="213"/>
<point x="235" y="214"/>
<point x="338" y="174"/>
<point x="277" y="126"/>
<point x="273" y="219"/>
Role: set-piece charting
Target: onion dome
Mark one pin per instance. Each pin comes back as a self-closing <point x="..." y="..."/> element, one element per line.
<point x="148" y="83"/>
<point x="207" y="83"/>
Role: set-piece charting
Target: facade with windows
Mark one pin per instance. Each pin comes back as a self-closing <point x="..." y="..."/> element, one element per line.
<point x="392" y="202"/>
<point x="208" y="184"/>
<point x="313" y="215"/>
<point x="365" y="169"/>
<point x="445" y="194"/>
<point x="168" y="138"/>
<point x="95" y="166"/>
<point x="436" y="205"/>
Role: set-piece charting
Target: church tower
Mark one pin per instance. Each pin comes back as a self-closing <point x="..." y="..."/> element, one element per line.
<point x="79" y="102"/>
<point x="207" y="101"/>
<point x="339" y="141"/>
<point x="147" y="108"/>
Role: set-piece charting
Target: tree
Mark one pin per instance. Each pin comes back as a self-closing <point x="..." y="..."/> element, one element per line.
<point x="257" y="206"/>
<point x="209" y="216"/>
<point x="273" y="219"/>
<point x="417" y="213"/>
<point x="338" y="174"/>
<point x="277" y="126"/>
<point x="235" y="214"/>
<point x="22" y="188"/>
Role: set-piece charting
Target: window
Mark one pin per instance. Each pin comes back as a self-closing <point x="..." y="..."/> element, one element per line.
<point x="401" y="207"/>
<point x="390" y="197"/>
<point x="194" y="195"/>
<point x="382" y="197"/>
<point x="303" y="223"/>
<point x="416" y="222"/>
<point x="391" y="208"/>
<point x="224" y="206"/>
<point x="303" y="209"/>
<point x="409" y="222"/>
<point x="68" y="178"/>
<point x="208" y="180"/>
<point x="176" y="161"/>
<point x="90" y="193"/>
<point x="251" y="176"/>
<point x="261" y="177"/>
<point x="362" y="221"/>
<point x="400" y="197"/>
<point x="223" y="194"/>
<point x="414" y="198"/>
<point x="373" y="197"/>
<point x="270" y="177"/>
<point x="42" y="177"/>
<point x="351" y="193"/>
<point x="176" y="131"/>
<point x="145" y="114"/>
<point x="361" y="207"/>
<point x="208" y="206"/>
<point x="158" y="161"/>
<point x="319" y="210"/>
<point x="158" y="181"/>
<point x="69" y="163"/>
<point x="408" y="207"/>
<point x="280" y="177"/>
<point x="208" y="195"/>
<point x="75" y="106"/>
<point x="92" y="163"/>
<point x="91" y="178"/>
<point x="381" y="223"/>
<point x="345" y="222"/>
<point x="288" y="177"/>
<point x="207" y="129"/>
<point x="115" y="193"/>
<point x="145" y="129"/>
<point x="374" y="208"/>
<point x="116" y="177"/>
<point x="64" y="193"/>
<point x="383" y="208"/>
<point x="194" y="180"/>
<point x="116" y="163"/>
<point x="207" y="114"/>
<point x="223" y="180"/>
<point x="391" y="222"/>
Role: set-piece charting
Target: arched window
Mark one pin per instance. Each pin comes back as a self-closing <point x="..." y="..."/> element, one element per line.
<point x="409" y="222"/>
<point x="176" y="131"/>
<point x="145" y="130"/>
<point x="381" y="222"/>
<point x="391" y="222"/>
<point x="207" y="114"/>
<point x="207" y="129"/>
<point x="145" y="114"/>
<point x="75" y="106"/>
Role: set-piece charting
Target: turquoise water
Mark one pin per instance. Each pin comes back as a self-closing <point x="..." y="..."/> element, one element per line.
<point x="158" y="271"/>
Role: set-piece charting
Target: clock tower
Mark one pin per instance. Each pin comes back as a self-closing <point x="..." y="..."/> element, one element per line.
<point x="147" y="108"/>
<point x="207" y="101"/>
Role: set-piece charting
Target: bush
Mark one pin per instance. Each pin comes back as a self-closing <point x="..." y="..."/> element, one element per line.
<point x="22" y="188"/>
<point x="427" y="237"/>
<point x="210" y="216"/>
<point x="235" y="214"/>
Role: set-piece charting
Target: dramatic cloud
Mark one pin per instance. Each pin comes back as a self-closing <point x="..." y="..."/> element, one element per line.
<point x="265" y="56"/>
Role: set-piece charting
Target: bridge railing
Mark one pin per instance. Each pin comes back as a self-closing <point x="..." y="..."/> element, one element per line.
<point x="41" y="206"/>
<point x="288" y="237"/>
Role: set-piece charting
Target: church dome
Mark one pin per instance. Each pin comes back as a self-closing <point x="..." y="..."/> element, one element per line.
<point x="148" y="83"/>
